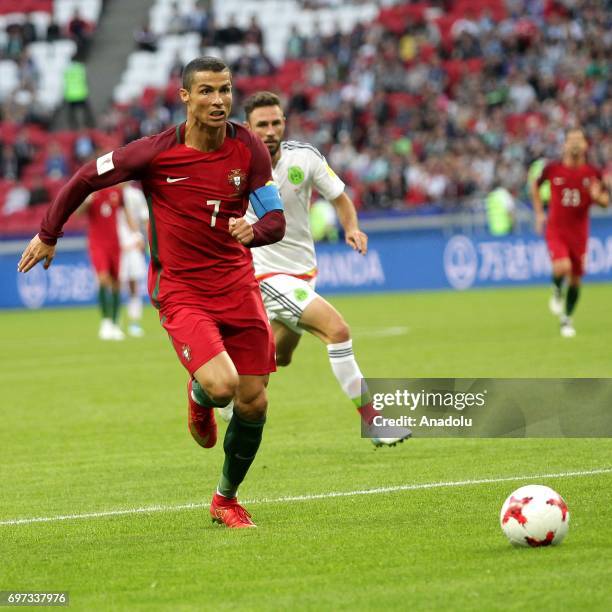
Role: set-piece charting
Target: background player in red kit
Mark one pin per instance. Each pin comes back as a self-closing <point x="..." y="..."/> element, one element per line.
<point x="104" y="251"/>
<point x="575" y="184"/>
<point x="198" y="179"/>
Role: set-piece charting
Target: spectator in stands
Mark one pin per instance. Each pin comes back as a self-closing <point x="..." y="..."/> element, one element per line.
<point x="14" y="43"/>
<point x="146" y="40"/>
<point x="8" y="163"/>
<point x="176" y="70"/>
<point x="295" y="44"/>
<point x="501" y="210"/>
<point x="298" y="102"/>
<point x="16" y="200"/>
<point x="27" y="70"/>
<point x="28" y="31"/>
<point x="154" y="122"/>
<point x="342" y="154"/>
<point x="521" y="94"/>
<point x="84" y="148"/>
<point x="79" y="30"/>
<point x="434" y="111"/>
<point x="18" y="105"/>
<point x="395" y="187"/>
<point x="76" y="94"/>
<point x="231" y="34"/>
<point x="177" y="23"/>
<point x="39" y="194"/>
<point x="56" y="165"/>
<point x="254" y="33"/>
<point x="24" y="151"/>
<point x="200" y="18"/>
<point x="54" y="32"/>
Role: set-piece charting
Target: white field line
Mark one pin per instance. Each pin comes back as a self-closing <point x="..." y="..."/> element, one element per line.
<point x="299" y="498"/>
<point x="381" y="332"/>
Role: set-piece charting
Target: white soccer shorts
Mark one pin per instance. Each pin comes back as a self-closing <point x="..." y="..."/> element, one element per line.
<point x="133" y="266"/>
<point x="286" y="297"/>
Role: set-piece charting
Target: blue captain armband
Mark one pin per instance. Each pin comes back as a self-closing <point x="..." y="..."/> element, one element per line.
<point x="266" y="199"/>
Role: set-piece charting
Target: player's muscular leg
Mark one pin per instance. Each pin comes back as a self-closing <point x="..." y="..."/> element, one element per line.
<point x="562" y="267"/>
<point x="324" y="321"/>
<point x="286" y="341"/>
<point x="251" y="400"/>
<point x="219" y="378"/>
<point x="105" y="280"/>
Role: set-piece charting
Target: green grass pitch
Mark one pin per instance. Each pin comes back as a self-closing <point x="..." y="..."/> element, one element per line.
<point x="91" y="427"/>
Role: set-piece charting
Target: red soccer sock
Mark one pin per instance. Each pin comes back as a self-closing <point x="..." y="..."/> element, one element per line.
<point x="367" y="413"/>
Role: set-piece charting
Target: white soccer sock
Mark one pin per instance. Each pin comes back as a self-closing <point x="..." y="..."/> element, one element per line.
<point x="134" y="308"/>
<point x="345" y="369"/>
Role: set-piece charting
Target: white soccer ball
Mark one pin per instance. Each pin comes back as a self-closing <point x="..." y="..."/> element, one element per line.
<point x="534" y="515"/>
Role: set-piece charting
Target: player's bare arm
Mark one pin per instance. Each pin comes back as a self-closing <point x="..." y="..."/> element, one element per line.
<point x="347" y="215"/>
<point x="538" y="207"/>
<point x="599" y="194"/>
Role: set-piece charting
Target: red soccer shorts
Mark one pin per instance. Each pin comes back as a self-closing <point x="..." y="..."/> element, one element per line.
<point x="105" y="259"/>
<point x="236" y="323"/>
<point x="560" y="247"/>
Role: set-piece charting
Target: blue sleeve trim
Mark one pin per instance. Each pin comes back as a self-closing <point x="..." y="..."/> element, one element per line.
<point x="266" y="199"/>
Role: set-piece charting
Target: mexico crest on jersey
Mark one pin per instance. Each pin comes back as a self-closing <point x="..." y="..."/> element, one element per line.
<point x="236" y="178"/>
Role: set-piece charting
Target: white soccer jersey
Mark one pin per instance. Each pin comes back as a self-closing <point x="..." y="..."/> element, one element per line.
<point x="136" y="205"/>
<point x="300" y="168"/>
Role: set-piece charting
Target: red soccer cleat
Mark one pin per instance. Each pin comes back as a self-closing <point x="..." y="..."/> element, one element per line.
<point x="201" y="421"/>
<point x="230" y="513"/>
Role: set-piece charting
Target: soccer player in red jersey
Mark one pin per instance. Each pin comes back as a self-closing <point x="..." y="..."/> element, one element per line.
<point x="575" y="185"/>
<point x="198" y="179"/>
<point x="104" y="251"/>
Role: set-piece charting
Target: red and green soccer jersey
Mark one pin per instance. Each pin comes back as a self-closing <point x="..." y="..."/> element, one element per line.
<point x="102" y="218"/>
<point x="191" y="196"/>
<point x="570" y="199"/>
<point x="102" y="233"/>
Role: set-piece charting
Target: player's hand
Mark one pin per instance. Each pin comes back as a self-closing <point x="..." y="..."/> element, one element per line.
<point x="241" y="231"/>
<point x="36" y="251"/>
<point x="540" y="222"/>
<point x="595" y="191"/>
<point x="358" y="240"/>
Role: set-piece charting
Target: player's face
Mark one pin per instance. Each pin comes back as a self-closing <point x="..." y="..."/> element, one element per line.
<point x="268" y="122"/>
<point x="209" y="101"/>
<point x="575" y="144"/>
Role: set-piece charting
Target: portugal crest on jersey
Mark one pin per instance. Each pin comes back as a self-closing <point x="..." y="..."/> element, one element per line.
<point x="236" y="179"/>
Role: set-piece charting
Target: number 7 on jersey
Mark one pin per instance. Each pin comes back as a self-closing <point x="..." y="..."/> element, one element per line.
<point x="217" y="205"/>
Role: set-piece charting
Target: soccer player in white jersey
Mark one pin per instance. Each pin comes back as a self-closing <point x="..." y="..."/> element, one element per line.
<point x="286" y="271"/>
<point x="133" y="269"/>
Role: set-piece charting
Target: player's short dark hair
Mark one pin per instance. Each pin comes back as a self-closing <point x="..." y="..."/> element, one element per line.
<point x="259" y="100"/>
<point x="206" y="63"/>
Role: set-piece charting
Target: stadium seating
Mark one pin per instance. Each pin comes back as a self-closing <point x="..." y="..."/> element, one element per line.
<point x="431" y="98"/>
<point x="50" y="57"/>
